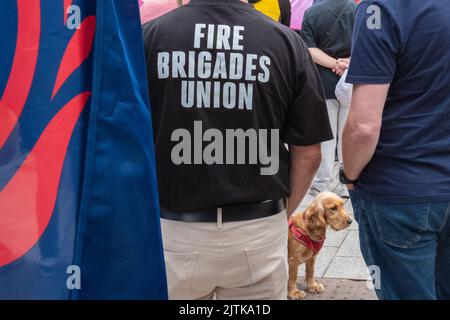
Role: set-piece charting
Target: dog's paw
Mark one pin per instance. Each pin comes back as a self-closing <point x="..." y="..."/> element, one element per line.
<point x="316" y="288"/>
<point x="297" y="295"/>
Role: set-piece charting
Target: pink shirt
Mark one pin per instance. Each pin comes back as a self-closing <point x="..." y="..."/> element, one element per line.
<point x="298" y="10"/>
<point x="155" y="8"/>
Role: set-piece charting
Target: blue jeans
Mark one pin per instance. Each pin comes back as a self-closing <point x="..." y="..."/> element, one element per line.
<point x="406" y="247"/>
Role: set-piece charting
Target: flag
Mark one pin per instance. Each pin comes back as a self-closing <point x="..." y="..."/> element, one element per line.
<point x="79" y="212"/>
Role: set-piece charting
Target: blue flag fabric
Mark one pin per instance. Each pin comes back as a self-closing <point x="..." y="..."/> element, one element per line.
<point x="79" y="215"/>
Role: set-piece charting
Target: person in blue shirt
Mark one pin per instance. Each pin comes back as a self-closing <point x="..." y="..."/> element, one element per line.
<point x="396" y="145"/>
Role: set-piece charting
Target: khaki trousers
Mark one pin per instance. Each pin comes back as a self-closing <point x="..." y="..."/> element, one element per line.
<point x="231" y="260"/>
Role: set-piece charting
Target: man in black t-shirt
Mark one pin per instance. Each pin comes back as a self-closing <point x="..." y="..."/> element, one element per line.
<point x="327" y="31"/>
<point x="228" y="89"/>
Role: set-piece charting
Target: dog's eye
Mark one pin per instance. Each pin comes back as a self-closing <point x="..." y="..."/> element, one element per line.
<point x="334" y="208"/>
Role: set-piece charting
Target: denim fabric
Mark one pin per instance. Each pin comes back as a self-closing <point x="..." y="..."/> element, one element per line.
<point x="406" y="247"/>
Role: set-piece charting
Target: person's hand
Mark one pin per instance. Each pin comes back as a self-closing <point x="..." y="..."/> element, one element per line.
<point x="338" y="70"/>
<point x="340" y="66"/>
<point x="345" y="60"/>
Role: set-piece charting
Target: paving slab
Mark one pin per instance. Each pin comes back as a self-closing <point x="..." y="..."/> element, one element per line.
<point x="335" y="238"/>
<point x="354" y="225"/>
<point x="350" y="247"/>
<point x="347" y="268"/>
<point x="348" y="206"/>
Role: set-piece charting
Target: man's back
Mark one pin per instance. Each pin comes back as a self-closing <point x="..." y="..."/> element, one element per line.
<point x="409" y="47"/>
<point x="328" y="26"/>
<point x="332" y="22"/>
<point x="222" y="65"/>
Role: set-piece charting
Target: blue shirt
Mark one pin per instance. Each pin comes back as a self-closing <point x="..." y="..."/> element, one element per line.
<point x="410" y="49"/>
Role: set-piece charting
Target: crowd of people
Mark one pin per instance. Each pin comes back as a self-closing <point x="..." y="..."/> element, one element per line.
<point x="364" y="87"/>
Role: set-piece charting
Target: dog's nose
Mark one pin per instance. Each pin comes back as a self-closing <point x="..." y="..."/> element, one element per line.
<point x="349" y="221"/>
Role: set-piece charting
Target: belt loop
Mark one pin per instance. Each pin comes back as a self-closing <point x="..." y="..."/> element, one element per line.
<point x="219" y="218"/>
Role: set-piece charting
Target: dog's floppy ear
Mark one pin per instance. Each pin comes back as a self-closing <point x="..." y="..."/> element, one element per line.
<point x="316" y="224"/>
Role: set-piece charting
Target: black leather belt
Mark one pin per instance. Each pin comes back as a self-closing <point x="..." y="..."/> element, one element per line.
<point x="229" y="213"/>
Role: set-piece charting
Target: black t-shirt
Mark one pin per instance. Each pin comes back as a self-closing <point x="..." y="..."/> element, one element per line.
<point x="328" y="25"/>
<point x="228" y="89"/>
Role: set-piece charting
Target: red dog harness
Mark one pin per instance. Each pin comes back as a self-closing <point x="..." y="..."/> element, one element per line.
<point x="304" y="239"/>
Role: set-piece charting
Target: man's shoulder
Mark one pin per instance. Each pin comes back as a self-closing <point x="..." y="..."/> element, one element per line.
<point x="400" y="12"/>
<point x="314" y="9"/>
<point x="286" y="33"/>
<point x="255" y="20"/>
<point x="319" y="9"/>
<point x="385" y="4"/>
<point x="380" y="2"/>
<point x="168" y="19"/>
<point x="173" y="18"/>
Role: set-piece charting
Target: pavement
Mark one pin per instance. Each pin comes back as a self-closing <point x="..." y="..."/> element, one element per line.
<point x="340" y="266"/>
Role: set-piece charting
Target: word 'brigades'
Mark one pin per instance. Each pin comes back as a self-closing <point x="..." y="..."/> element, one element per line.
<point x="217" y="79"/>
